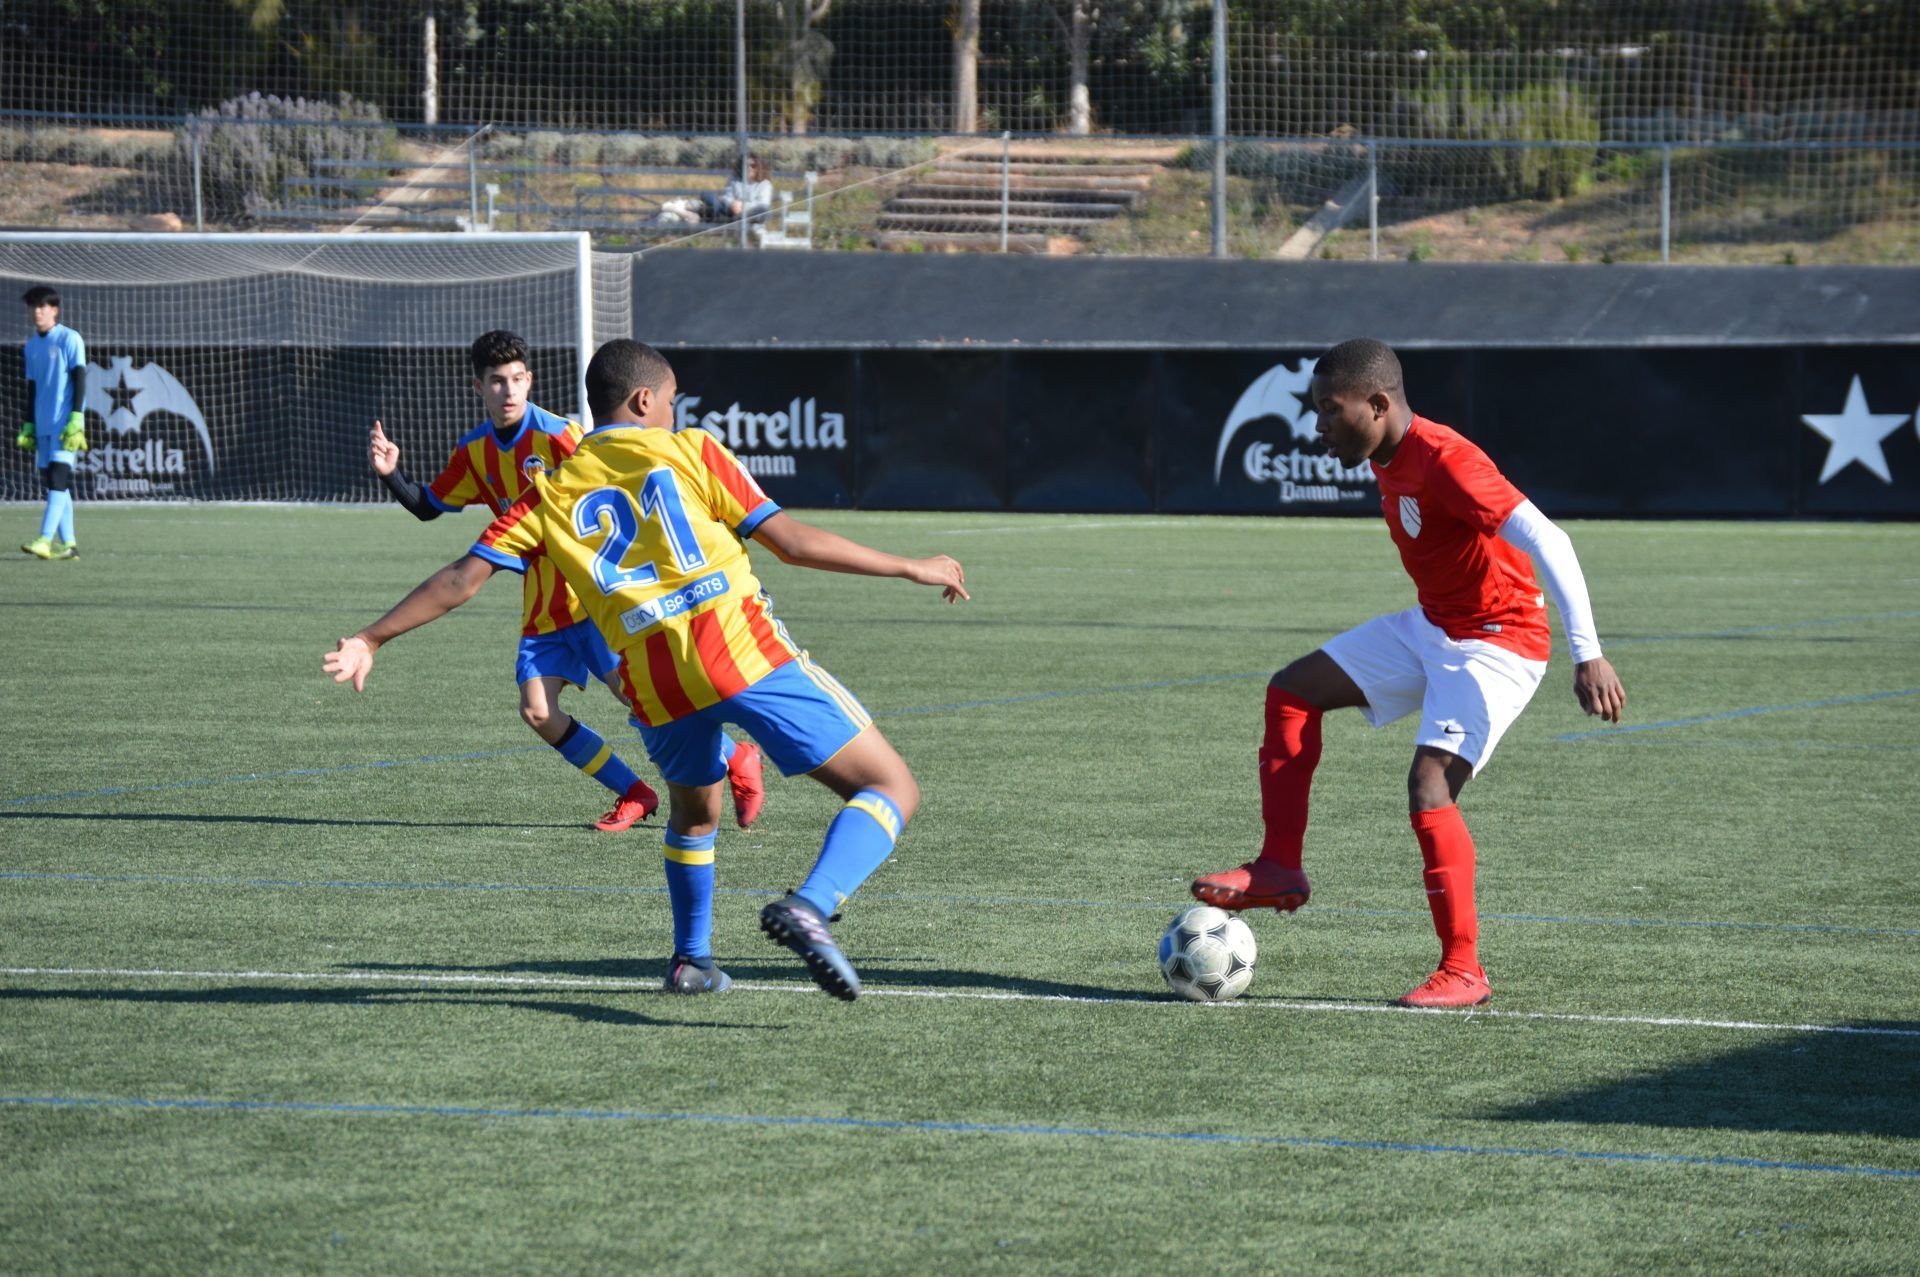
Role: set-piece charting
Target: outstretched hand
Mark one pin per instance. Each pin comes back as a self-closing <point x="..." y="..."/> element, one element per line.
<point x="352" y="659"/>
<point x="945" y="573"/>
<point x="382" y="453"/>
<point x="1598" y="689"/>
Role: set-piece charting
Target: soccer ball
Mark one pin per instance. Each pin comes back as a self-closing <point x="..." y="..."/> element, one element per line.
<point x="1207" y="955"/>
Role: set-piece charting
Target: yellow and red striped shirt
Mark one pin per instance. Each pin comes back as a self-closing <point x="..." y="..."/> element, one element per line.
<point x="483" y="470"/>
<point x="649" y="528"/>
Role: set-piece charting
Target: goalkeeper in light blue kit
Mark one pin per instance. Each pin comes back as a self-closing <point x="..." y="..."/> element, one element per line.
<point x="56" y="401"/>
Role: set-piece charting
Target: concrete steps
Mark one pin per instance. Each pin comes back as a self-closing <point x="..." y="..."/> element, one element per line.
<point x="1051" y="192"/>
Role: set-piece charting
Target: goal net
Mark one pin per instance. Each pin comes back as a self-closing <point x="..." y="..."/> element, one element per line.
<point x="250" y="367"/>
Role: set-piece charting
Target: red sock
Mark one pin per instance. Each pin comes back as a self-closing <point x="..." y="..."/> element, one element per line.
<point x="1447" y="849"/>
<point x="1288" y="756"/>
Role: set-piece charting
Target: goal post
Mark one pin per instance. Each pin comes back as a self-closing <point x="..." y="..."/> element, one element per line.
<point x="250" y="366"/>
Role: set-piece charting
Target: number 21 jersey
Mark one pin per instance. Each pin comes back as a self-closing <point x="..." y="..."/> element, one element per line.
<point x="648" y="527"/>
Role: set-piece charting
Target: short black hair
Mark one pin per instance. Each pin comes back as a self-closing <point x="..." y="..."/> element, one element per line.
<point x="618" y="369"/>
<point x="491" y="350"/>
<point x="40" y="295"/>
<point x="1361" y="366"/>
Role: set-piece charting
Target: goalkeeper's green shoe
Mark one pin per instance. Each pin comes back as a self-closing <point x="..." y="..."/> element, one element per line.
<point x="65" y="549"/>
<point x="40" y="548"/>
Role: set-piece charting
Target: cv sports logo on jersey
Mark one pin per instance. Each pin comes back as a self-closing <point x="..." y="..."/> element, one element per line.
<point x="156" y="442"/>
<point x="767" y="443"/>
<point x="1269" y="440"/>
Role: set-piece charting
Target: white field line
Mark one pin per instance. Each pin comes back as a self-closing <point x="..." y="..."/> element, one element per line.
<point x="971" y="995"/>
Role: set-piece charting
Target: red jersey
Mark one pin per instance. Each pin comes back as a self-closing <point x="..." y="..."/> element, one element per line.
<point x="1445" y="501"/>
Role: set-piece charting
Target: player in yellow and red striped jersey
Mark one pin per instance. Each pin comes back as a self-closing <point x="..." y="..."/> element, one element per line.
<point x="649" y="527"/>
<point x="493" y="465"/>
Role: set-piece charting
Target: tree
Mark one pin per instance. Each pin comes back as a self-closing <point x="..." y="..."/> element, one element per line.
<point x="802" y="58"/>
<point x="1081" y="17"/>
<point x="966" y="68"/>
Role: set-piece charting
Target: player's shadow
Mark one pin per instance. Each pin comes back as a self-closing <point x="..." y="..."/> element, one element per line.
<point x="1847" y="1083"/>
<point x="279" y="995"/>
<point x="231" y="818"/>
<point x="877" y="973"/>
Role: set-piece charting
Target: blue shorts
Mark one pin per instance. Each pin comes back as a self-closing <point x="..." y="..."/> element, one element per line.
<point x="575" y="652"/>
<point x="800" y="715"/>
<point x="47" y="449"/>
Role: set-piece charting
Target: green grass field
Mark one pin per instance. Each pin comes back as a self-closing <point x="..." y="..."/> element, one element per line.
<point x="303" y="981"/>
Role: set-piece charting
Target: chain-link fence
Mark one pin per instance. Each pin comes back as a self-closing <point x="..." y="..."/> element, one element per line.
<point x="1600" y="130"/>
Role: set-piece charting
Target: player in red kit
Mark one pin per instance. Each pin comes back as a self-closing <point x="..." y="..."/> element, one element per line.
<point x="1468" y="658"/>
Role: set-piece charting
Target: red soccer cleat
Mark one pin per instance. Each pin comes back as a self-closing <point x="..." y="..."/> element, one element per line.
<point x="638" y="803"/>
<point x="1258" y="884"/>
<point x="1449" y="988"/>
<point x="743" y="778"/>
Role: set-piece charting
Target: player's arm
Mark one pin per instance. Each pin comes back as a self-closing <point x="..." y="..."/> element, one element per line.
<point x="428" y="601"/>
<point x="1594" y="681"/>
<point x="803" y="545"/>
<point x="383" y="454"/>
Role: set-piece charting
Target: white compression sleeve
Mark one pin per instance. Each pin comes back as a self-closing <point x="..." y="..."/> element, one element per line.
<point x="1529" y="530"/>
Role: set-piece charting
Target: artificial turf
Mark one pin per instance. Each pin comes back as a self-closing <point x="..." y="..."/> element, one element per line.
<point x="303" y="981"/>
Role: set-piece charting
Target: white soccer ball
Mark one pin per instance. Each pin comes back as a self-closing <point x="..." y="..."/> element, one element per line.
<point x="1207" y="954"/>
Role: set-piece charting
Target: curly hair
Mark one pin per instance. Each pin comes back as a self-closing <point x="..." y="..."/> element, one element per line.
<point x="499" y="347"/>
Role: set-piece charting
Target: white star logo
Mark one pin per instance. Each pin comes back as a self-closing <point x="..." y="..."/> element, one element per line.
<point x="1854" y="434"/>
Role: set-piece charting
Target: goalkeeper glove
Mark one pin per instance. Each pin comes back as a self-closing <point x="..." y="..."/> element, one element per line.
<point x="74" y="437"/>
<point x="26" y="437"/>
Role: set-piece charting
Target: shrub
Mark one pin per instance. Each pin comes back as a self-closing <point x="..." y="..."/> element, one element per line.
<point x="252" y="146"/>
<point x="706" y="151"/>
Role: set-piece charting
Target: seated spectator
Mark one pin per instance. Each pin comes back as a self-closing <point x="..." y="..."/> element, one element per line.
<point x="750" y="198"/>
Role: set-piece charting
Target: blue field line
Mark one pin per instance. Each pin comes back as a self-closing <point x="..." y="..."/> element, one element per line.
<point x="531" y="749"/>
<point x="946" y="1128"/>
<point x="908" y="897"/>
<point x="250" y="777"/>
<point x="1813" y="746"/>
<point x="1740" y="631"/>
<point x="990" y="703"/>
<point x="1030" y="697"/>
<point x="1739" y="713"/>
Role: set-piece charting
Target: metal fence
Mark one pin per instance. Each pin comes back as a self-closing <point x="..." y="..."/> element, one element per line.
<point x="1592" y="130"/>
<point x="1404" y="199"/>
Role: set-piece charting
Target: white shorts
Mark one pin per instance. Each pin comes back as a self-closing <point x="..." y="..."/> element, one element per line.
<point x="1468" y="691"/>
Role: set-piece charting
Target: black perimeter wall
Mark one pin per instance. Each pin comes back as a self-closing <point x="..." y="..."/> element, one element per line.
<point x="908" y="382"/>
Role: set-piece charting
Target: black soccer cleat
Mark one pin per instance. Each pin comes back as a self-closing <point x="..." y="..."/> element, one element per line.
<point x="796" y="924"/>
<point x="685" y="977"/>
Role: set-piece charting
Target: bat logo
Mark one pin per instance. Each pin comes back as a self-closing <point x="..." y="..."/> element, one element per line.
<point x="124" y="396"/>
<point x="531" y="467"/>
<point x="1275" y="393"/>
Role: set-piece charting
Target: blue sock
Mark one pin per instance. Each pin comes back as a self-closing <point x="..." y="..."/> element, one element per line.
<point x="858" y="840"/>
<point x="583" y="747"/>
<point x="690" y="889"/>
<point x="727" y="746"/>
<point x="66" y="519"/>
<point x="58" y="504"/>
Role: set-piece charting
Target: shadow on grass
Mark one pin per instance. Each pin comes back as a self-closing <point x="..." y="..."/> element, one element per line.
<point x="224" y="818"/>
<point x="1838" y="1084"/>
<point x="876" y="973"/>
<point x="272" y="995"/>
